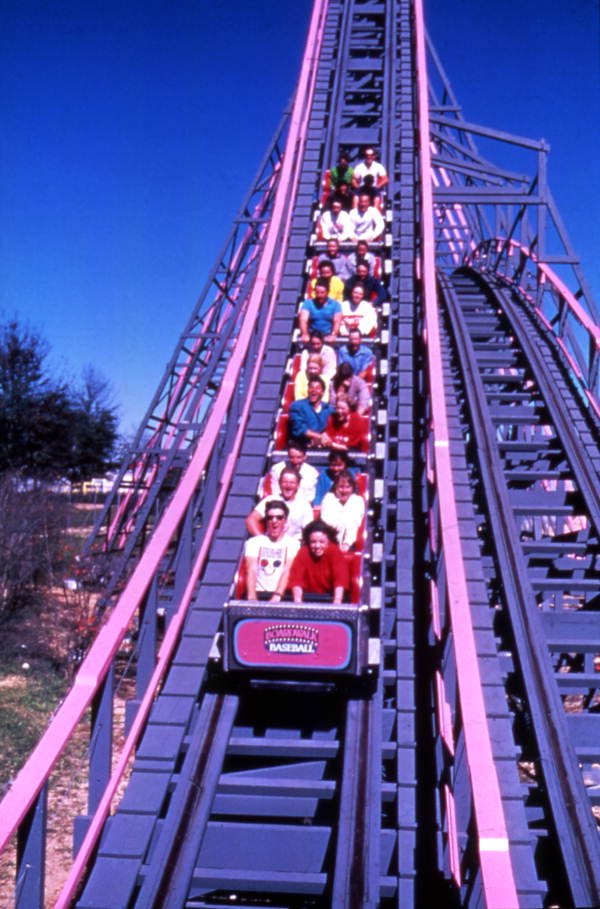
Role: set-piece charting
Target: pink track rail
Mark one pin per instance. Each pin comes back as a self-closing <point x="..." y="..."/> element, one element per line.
<point x="494" y="856"/>
<point x="36" y="771"/>
<point x="457" y="227"/>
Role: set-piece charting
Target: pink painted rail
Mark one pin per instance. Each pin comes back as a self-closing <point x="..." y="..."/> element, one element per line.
<point x="36" y="771"/>
<point x="456" y="229"/>
<point x="493" y="845"/>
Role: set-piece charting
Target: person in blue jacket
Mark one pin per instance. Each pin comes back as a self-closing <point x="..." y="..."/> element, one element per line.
<point x="309" y="415"/>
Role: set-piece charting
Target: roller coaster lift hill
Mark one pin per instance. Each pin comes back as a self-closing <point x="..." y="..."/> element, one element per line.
<point x="434" y="739"/>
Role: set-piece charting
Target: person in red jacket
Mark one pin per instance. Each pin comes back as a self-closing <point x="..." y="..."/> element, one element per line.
<point x="319" y="568"/>
<point x="345" y="428"/>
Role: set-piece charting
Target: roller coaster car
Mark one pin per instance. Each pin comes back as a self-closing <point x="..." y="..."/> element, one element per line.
<point x="286" y="639"/>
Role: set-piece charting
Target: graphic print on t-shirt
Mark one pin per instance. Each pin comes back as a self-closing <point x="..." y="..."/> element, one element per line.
<point x="271" y="559"/>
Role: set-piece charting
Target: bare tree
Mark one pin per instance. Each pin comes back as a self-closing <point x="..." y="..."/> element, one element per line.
<point x="32" y="526"/>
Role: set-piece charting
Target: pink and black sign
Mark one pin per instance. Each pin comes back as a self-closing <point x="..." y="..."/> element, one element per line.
<point x="293" y="643"/>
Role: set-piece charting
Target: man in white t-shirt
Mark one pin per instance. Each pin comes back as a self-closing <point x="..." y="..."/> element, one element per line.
<point x="335" y="222"/>
<point x="367" y="222"/>
<point x="300" y="512"/>
<point x="370" y="174"/>
<point x="269" y="556"/>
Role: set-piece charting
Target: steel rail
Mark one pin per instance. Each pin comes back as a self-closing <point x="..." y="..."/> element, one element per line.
<point x="355" y="886"/>
<point x="214" y="310"/>
<point x="172" y="877"/>
<point x="167" y="883"/>
<point x="190" y="853"/>
<point x="221" y="308"/>
<point x="166" y="651"/>
<point x="575" y="827"/>
<point x="164" y="455"/>
<point x="458" y="225"/>
<point x="190" y="388"/>
<point x="145" y="497"/>
<point x="487" y="132"/>
<point x="494" y="855"/>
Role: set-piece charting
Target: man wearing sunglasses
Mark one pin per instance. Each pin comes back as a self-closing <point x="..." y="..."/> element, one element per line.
<point x="269" y="556"/>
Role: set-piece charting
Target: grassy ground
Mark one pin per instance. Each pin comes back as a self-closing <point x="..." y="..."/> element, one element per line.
<point x="29" y="687"/>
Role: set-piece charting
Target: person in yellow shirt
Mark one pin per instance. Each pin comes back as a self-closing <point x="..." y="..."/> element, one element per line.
<point x="336" y="285"/>
<point x="314" y="367"/>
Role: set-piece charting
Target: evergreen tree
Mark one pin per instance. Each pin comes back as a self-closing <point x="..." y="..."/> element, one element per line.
<point x="48" y="429"/>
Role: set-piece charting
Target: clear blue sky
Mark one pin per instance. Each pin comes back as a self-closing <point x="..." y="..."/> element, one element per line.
<point x="131" y="131"/>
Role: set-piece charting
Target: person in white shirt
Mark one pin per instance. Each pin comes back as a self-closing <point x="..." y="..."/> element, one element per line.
<point x="335" y="223"/>
<point x="269" y="556"/>
<point x="366" y="221"/>
<point x="296" y="458"/>
<point x="344" y="510"/>
<point x="300" y="512"/>
<point x="358" y="313"/>
<point x="370" y="167"/>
